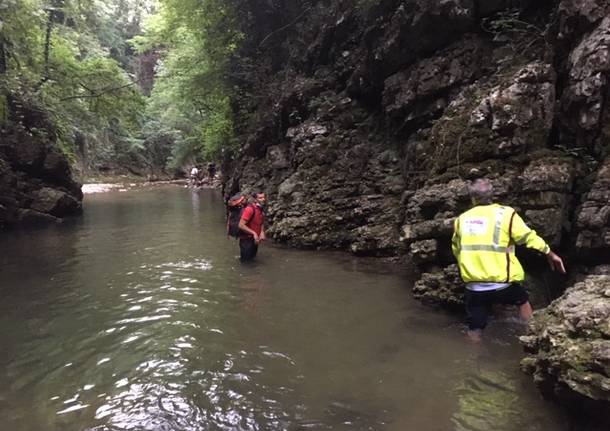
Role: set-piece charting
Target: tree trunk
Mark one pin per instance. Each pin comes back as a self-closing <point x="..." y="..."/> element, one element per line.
<point x="47" y="45"/>
<point x="2" y="57"/>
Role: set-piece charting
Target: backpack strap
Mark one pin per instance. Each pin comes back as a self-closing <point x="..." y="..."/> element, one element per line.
<point x="510" y="240"/>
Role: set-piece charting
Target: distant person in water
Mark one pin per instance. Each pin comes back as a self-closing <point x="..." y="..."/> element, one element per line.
<point x="252" y="227"/>
<point x="194" y="177"/>
<point x="483" y="243"/>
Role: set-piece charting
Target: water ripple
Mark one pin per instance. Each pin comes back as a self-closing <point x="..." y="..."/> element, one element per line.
<point x="128" y="320"/>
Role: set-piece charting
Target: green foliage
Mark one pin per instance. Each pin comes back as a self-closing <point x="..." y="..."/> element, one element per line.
<point x="191" y="96"/>
<point x="218" y="134"/>
<point x="77" y="60"/>
<point x="156" y="32"/>
<point x="56" y="58"/>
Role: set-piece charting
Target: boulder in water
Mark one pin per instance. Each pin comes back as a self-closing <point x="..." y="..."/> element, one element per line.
<point x="568" y="344"/>
<point x="54" y="202"/>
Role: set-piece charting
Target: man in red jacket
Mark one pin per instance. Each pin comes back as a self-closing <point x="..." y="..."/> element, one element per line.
<point x="252" y="227"/>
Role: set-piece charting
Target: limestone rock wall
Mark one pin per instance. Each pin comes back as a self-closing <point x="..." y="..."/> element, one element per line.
<point x="569" y="344"/>
<point x="365" y="120"/>
<point x="372" y="116"/>
<point x="593" y="218"/>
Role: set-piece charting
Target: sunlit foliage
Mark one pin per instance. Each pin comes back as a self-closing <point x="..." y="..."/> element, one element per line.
<point x="60" y="56"/>
<point x="82" y="63"/>
<point x="191" y="96"/>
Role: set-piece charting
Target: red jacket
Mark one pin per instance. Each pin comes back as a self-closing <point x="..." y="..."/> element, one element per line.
<point x="254" y="219"/>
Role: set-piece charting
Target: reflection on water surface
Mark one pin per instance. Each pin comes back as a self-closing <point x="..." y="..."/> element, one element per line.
<point x="140" y="317"/>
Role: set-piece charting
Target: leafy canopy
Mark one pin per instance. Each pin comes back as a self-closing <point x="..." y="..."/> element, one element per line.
<point x="191" y="96"/>
<point x="83" y="63"/>
<point x="65" y="56"/>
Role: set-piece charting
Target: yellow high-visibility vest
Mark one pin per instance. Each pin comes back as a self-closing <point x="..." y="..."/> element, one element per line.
<point x="483" y="243"/>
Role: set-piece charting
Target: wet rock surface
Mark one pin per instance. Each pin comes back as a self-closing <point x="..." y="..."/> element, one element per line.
<point x="368" y="142"/>
<point x="583" y="103"/>
<point x="568" y="343"/>
<point x="593" y="218"/>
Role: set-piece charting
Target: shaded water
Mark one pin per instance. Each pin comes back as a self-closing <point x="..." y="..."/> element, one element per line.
<point x="140" y="317"/>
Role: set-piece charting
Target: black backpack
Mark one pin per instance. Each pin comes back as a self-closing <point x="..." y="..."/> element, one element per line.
<point x="235" y="208"/>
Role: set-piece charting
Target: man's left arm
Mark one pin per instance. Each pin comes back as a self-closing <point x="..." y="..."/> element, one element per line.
<point x="523" y="235"/>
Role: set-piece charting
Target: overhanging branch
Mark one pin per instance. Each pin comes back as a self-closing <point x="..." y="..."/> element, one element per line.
<point x="97" y="93"/>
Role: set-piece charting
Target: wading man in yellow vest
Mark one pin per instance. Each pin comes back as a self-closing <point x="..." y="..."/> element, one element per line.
<point x="483" y="243"/>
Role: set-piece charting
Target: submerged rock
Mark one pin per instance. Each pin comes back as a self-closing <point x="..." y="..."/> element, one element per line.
<point x="441" y="287"/>
<point x="54" y="202"/>
<point x="568" y="343"/>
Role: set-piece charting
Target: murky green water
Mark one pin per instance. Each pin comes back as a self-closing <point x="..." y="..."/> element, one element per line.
<point x="140" y="317"/>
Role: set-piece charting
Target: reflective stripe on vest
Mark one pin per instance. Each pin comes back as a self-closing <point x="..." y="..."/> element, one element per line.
<point x="498" y="226"/>
<point x="487" y="247"/>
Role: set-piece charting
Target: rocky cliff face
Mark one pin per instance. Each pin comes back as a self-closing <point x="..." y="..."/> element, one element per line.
<point x="365" y="120"/>
<point x="36" y="184"/>
<point x="569" y="344"/>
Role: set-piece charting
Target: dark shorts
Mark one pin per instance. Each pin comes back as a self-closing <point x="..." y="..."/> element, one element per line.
<point x="247" y="248"/>
<point x="478" y="303"/>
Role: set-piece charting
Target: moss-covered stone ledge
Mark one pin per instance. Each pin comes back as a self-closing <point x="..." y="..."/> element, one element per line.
<point x="568" y="344"/>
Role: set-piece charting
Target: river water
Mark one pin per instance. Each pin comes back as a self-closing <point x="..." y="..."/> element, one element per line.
<point x="139" y="316"/>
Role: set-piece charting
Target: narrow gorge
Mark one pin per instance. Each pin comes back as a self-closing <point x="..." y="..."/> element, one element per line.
<point x="365" y="121"/>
